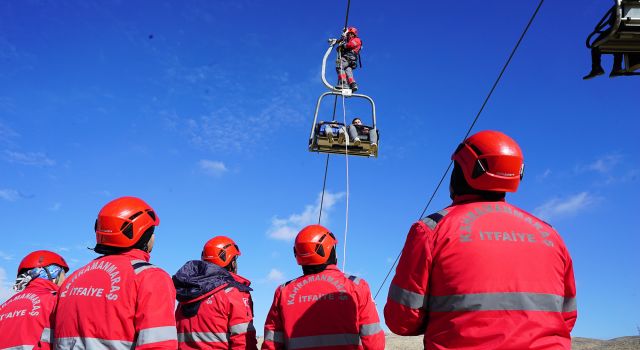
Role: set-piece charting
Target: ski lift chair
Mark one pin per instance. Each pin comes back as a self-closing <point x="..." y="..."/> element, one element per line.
<point x="619" y="32"/>
<point x="319" y="142"/>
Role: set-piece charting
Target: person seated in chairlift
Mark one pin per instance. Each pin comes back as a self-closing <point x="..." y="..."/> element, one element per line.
<point x="332" y="129"/>
<point x="596" y="54"/>
<point x="347" y="60"/>
<point x="356" y="129"/>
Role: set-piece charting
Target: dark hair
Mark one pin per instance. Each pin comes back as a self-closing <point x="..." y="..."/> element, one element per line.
<point x="354" y="120"/>
<point x="460" y="186"/>
<point x="142" y="244"/>
<point x="313" y="269"/>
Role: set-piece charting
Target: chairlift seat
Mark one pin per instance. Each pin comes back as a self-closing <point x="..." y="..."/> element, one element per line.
<point x="322" y="144"/>
<point x="619" y="30"/>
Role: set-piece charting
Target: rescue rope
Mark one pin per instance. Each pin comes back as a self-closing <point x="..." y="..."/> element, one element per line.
<point x="346" y="157"/>
<point x="326" y="166"/>
<point x="475" y="120"/>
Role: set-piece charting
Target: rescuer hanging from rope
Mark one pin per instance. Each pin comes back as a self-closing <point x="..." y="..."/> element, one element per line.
<point x="347" y="58"/>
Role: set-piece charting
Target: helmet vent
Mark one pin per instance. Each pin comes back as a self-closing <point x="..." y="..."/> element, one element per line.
<point x="223" y="255"/>
<point x="320" y="250"/>
<point x="132" y="217"/>
<point x="152" y="214"/>
<point x="127" y="229"/>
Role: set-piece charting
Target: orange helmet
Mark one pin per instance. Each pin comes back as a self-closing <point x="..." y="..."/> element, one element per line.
<point x="220" y="250"/>
<point x="353" y="30"/>
<point x="490" y="161"/>
<point x="41" y="258"/>
<point x="313" y="245"/>
<point x="122" y="222"/>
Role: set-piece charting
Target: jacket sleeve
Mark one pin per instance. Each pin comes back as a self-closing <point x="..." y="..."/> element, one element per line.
<point x="371" y="334"/>
<point x="155" y="323"/>
<point x="406" y="310"/>
<point x="242" y="333"/>
<point x="49" y="312"/>
<point x="273" y="327"/>
<point x="569" y="307"/>
<point x="353" y="44"/>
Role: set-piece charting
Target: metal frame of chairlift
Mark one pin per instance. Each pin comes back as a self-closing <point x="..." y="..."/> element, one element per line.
<point x="320" y="143"/>
<point x="624" y="33"/>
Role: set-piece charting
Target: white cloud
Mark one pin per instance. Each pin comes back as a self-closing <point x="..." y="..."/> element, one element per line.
<point x="5" y="286"/>
<point x="564" y="206"/>
<point x="287" y="229"/>
<point x="29" y="158"/>
<point x="6" y="133"/>
<point x="5" y="256"/>
<point x="212" y="167"/>
<point x="56" y="206"/>
<point x="605" y="164"/>
<point x="9" y="194"/>
<point x="275" y="275"/>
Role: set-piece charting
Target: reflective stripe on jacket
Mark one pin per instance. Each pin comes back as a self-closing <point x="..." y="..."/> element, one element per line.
<point x="224" y="321"/>
<point x="117" y="302"/>
<point x="481" y="275"/>
<point x="327" y="310"/>
<point x="25" y="319"/>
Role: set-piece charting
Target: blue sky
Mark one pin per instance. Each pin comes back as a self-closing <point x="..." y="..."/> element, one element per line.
<point x="204" y="111"/>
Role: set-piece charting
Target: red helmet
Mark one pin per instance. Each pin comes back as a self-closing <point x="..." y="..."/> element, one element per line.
<point x="353" y="30"/>
<point x="490" y="161"/>
<point x="313" y="245"/>
<point x="41" y="258"/>
<point x="220" y="250"/>
<point x="122" y="222"/>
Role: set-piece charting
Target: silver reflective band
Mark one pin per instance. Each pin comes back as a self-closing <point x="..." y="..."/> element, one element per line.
<point x="406" y="297"/>
<point x="323" y="340"/>
<point x="242" y="328"/>
<point x="430" y="223"/>
<point x="203" y="337"/>
<point x="497" y="301"/>
<point x="20" y="347"/>
<point x="273" y="336"/>
<point x="370" y="329"/>
<point x="156" y="335"/>
<point x="569" y="305"/>
<point x="83" y="343"/>
<point x="47" y="336"/>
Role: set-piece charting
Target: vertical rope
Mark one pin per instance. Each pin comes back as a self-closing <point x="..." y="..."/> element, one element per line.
<point x="346" y="157"/>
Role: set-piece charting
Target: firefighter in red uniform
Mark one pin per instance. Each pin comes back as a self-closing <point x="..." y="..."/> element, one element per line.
<point x="347" y="59"/>
<point x="26" y="318"/>
<point x="119" y="300"/>
<point x="481" y="273"/>
<point x="324" y="308"/>
<point x="215" y="309"/>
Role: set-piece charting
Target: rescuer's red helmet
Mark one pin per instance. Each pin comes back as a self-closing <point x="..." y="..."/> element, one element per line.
<point x="220" y="250"/>
<point x="490" y="161"/>
<point x="122" y="222"/>
<point x="41" y="258"/>
<point x="313" y="245"/>
<point x="353" y="30"/>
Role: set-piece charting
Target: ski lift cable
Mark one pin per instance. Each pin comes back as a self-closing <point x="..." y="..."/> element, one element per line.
<point x="475" y="120"/>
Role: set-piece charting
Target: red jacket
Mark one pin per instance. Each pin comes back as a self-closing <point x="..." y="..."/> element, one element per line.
<point x="117" y="301"/>
<point x="224" y="320"/>
<point x="26" y="318"/>
<point x="327" y="310"/>
<point x="483" y="275"/>
<point x="354" y="44"/>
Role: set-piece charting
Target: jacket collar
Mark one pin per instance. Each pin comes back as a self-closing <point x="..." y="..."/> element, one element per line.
<point x="43" y="284"/>
<point x="240" y="279"/>
<point x="137" y="254"/>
